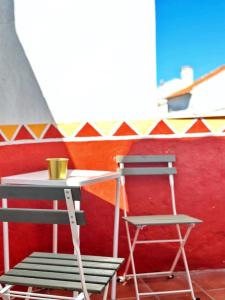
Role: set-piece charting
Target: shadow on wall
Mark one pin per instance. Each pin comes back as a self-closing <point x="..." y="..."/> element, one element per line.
<point x="17" y="159"/>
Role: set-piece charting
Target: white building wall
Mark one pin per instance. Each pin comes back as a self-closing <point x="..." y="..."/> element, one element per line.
<point x="209" y="96"/>
<point x="94" y="59"/>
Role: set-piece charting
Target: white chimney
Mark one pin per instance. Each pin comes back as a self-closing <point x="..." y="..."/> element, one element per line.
<point x="21" y="99"/>
<point x="187" y="75"/>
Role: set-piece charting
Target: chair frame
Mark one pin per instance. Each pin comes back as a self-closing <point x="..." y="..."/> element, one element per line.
<point x="181" y="240"/>
<point x="6" y="293"/>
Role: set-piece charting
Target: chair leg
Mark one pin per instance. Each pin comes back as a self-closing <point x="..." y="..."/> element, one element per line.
<point x="188" y="273"/>
<point x="183" y="241"/>
<point x="185" y="258"/>
<point x="180" y="252"/>
<point x="132" y="247"/>
<point x="132" y="259"/>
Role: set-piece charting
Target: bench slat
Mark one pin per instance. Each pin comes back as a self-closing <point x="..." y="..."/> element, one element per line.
<point x="52" y="284"/>
<point x="64" y="262"/>
<point x="93" y="258"/>
<point x="64" y="269"/>
<point x="58" y="276"/>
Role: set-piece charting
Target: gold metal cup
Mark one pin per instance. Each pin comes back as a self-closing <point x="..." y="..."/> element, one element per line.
<point x="57" y="168"/>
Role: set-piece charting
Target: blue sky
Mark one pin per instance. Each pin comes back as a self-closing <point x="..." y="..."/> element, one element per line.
<point x="189" y="32"/>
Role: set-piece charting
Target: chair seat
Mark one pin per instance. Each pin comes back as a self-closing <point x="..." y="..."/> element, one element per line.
<point x="62" y="272"/>
<point x="161" y="220"/>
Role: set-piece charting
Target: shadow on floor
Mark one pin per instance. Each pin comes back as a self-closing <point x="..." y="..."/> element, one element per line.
<point x="208" y="285"/>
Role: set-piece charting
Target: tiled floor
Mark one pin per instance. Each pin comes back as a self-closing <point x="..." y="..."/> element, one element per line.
<point x="208" y="285"/>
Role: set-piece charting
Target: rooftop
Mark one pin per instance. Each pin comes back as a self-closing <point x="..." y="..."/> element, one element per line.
<point x="202" y="79"/>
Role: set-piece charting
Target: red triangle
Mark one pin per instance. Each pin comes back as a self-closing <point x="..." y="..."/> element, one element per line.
<point x="161" y="128"/>
<point x="2" y="138"/>
<point x="53" y="133"/>
<point x="87" y="130"/>
<point x="124" y="129"/>
<point x="197" y="127"/>
<point x="24" y="134"/>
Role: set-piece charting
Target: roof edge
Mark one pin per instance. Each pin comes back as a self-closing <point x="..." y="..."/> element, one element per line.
<point x="189" y="88"/>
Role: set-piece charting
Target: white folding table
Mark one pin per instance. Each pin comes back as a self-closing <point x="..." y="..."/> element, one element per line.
<point x="75" y="178"/>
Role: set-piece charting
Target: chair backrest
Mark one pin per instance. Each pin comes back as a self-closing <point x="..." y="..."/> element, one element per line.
<point x="142" y="167"/>
<point x="47" y="216"/>
<point x="146" y="159"/>
<point x="40" y="216"/>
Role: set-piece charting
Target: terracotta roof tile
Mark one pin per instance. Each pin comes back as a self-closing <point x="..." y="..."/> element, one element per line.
<point x="196" y="82"/>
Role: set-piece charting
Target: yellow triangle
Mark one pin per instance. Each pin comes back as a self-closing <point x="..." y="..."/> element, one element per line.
<point x="142" y="127"/>
<point x="8" y="130"/>
<point x="215" y="125"/>
<point x="37" y="129"/>
<point x="106" y="128"/>
<point x="179" y="125"/>
<point x="69" y="129"/>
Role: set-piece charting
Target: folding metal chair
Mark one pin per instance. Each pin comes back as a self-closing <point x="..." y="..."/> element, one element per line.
<point x="82" y="274"/>
<point x="135" y="165"/>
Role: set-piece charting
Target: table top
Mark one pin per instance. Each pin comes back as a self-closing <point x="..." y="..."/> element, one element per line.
<point x="74" y="178"/>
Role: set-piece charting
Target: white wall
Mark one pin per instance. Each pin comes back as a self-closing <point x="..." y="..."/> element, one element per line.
<point x="94" y="59"/>
<point x="209" y="96"/>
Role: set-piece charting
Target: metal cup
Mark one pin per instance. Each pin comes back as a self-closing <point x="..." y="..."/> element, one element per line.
<point x="57" y="168"/>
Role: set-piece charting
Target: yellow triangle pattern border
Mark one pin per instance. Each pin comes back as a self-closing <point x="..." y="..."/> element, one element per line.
<point x="107" y="129"/>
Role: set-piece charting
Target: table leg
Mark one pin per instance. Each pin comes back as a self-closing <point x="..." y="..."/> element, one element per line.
<point x="55" y="230"/>
<point x="116" y="234"/>
<point x="5" y="239"/>
<point x="77" y="208"/>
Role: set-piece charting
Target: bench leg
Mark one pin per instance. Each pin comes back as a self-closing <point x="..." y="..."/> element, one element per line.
<point x="3" y="290"/>
<point x="106" y="292"/>
<point x="29" y="291"/>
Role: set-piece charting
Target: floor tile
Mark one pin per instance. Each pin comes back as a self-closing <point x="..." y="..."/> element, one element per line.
<point x="127" y="289"/>
<point x="201" y="286"/>
<point x="208" y="285"/>
<point x="218" y="294"/>
<point x="200" y="295"/>
<point x="209" y="279"/>
<point x="164" y="284"/>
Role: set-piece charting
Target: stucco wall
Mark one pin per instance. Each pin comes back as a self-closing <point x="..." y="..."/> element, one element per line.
<point x="199" y="187"/>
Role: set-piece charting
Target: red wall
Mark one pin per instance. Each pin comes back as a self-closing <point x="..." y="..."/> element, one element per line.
<point x="199" y="187"/>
